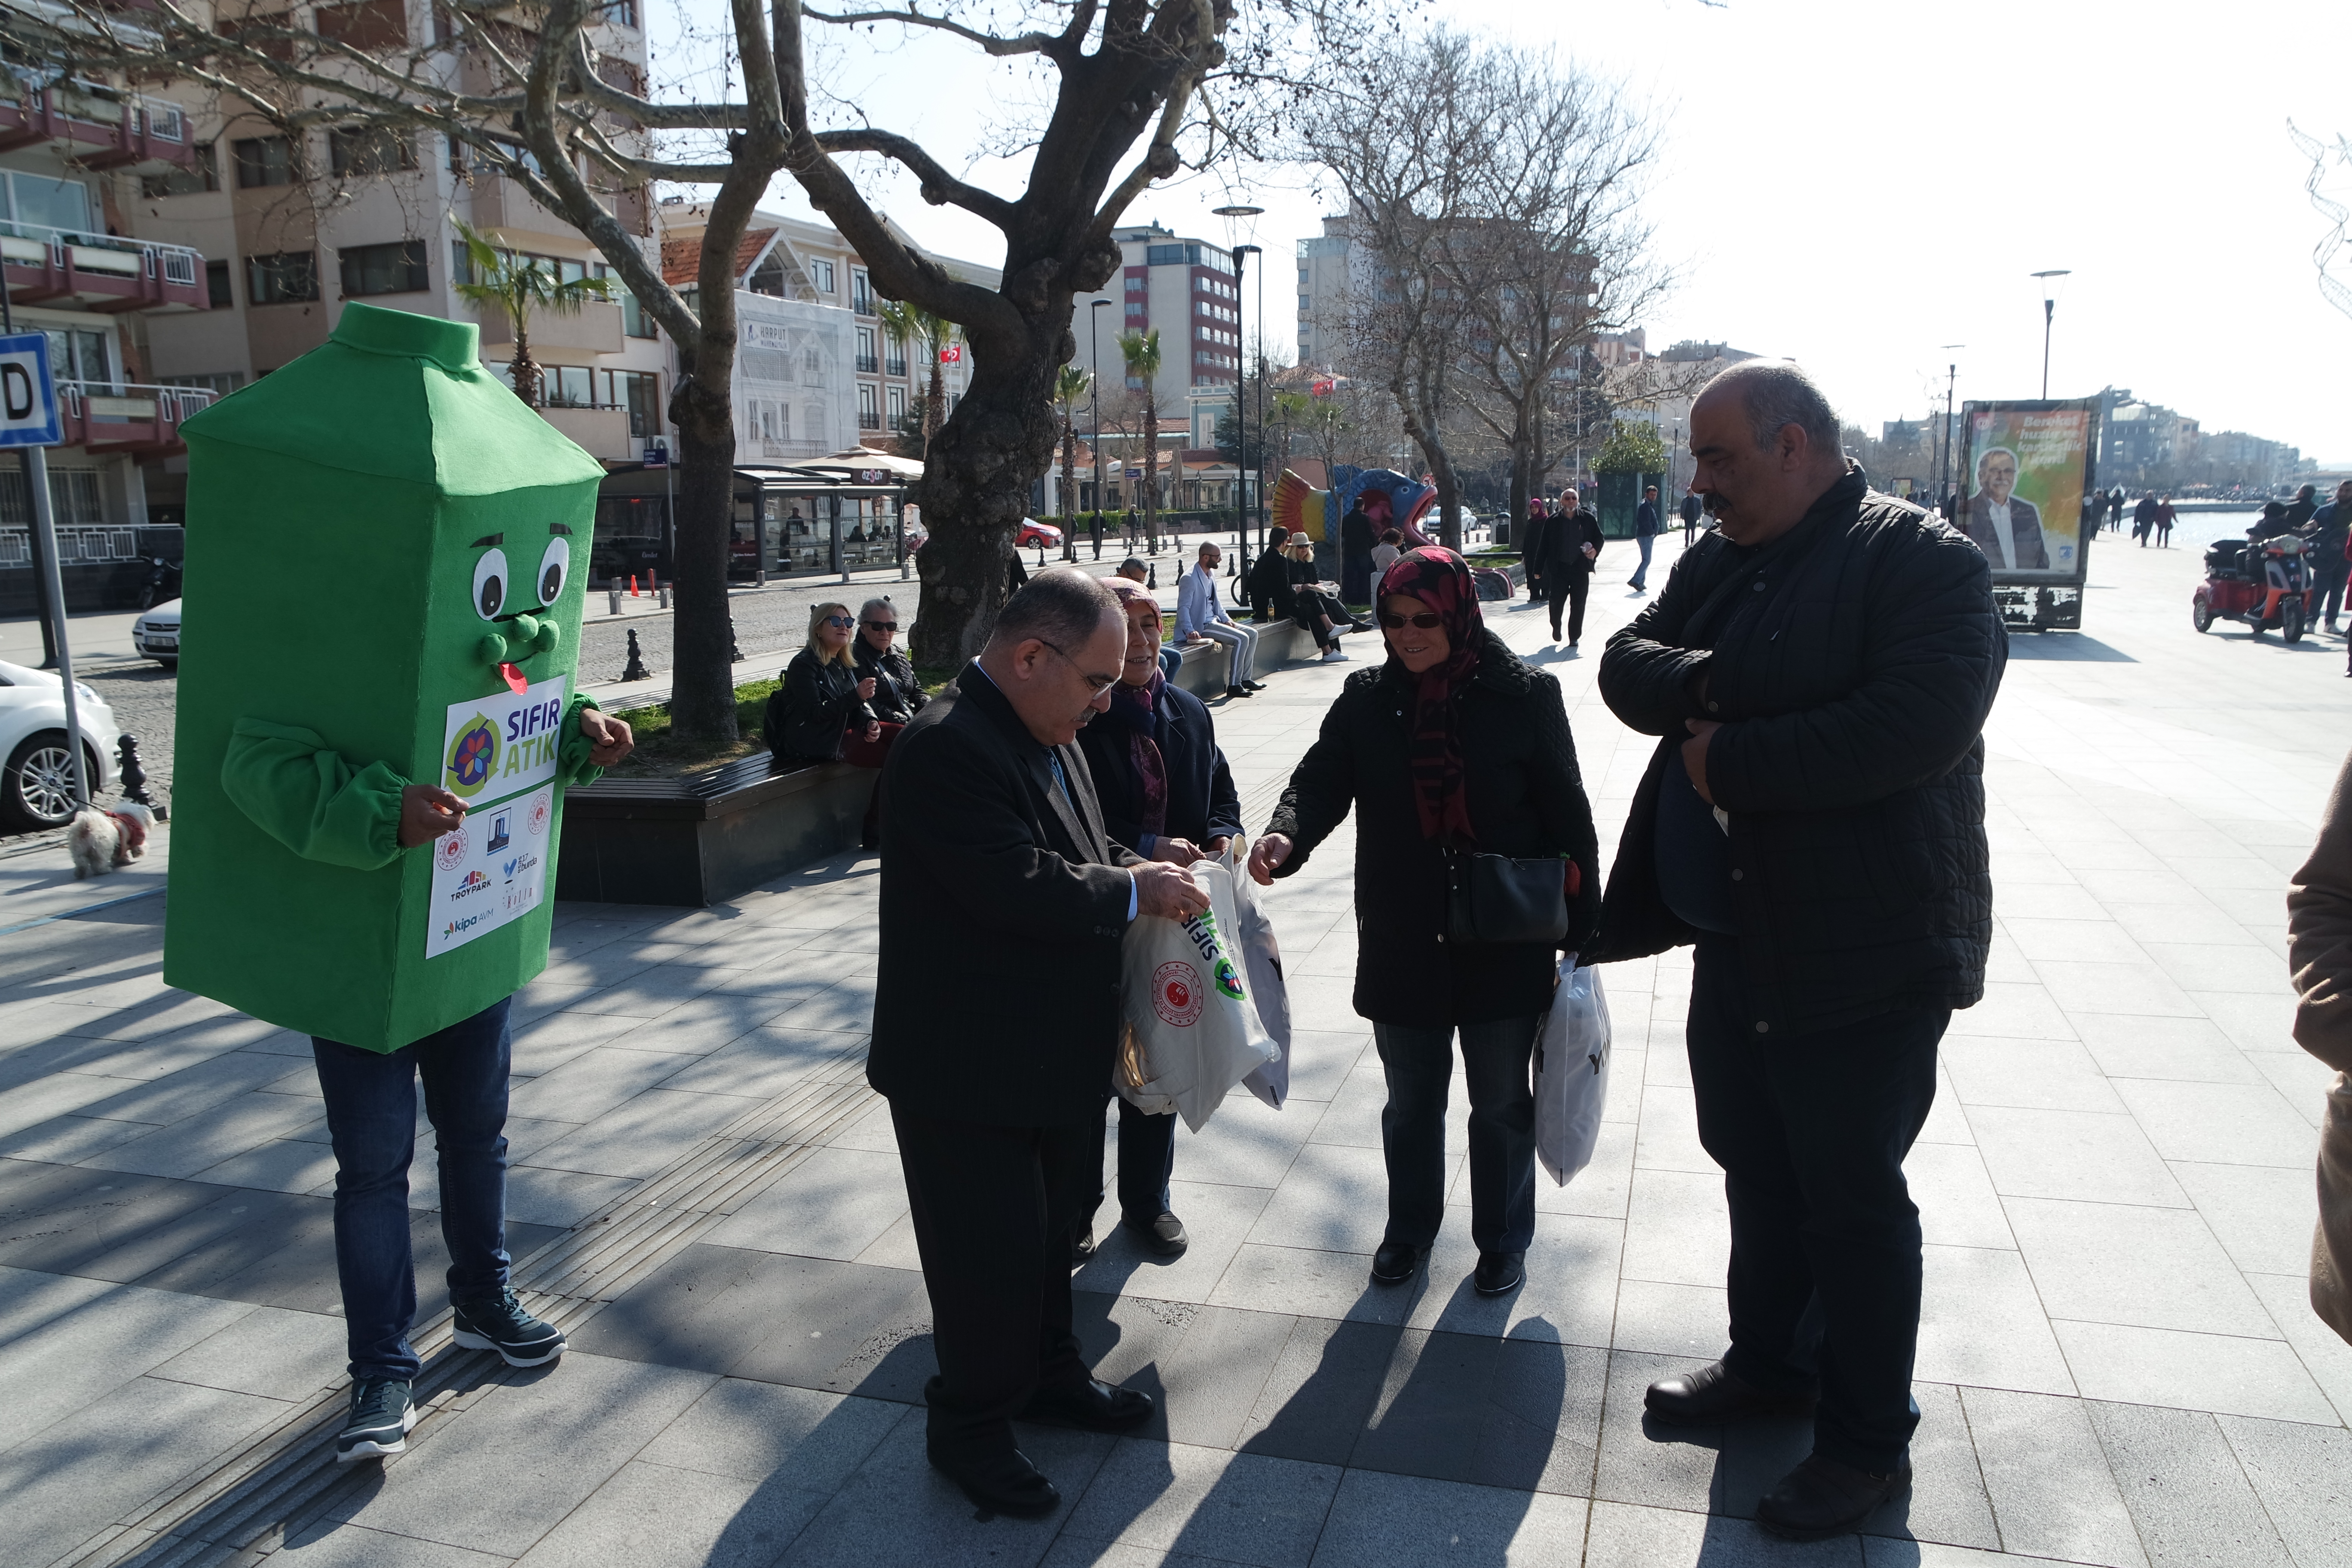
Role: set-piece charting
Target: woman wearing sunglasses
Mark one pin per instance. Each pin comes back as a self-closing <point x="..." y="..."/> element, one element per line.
<point x="1454" y="744"/>
<point x="898" y="694"/>
<point x="822" y="713"/>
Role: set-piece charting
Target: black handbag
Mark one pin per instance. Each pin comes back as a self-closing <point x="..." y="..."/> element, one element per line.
<point x="1492" y="898"/>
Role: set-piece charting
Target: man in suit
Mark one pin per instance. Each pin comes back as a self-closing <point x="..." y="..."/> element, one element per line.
<point x="2008" y="530"/>
<point x="1565" y="553"/>
<point x="994" y="1064"/>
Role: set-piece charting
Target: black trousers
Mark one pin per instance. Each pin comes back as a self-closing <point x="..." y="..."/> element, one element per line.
<point x="1825" y="1267"/>
<point x="993" y="1211"/>
<point x="1146" y="1161"/>
<point x="2329" y="579"/>
<point x="1566" y="583"/>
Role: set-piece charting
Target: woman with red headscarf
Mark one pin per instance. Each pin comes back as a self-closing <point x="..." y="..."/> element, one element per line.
<point x="1454" y="744"/>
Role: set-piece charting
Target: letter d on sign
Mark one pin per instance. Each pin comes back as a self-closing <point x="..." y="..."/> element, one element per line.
<point x="15" y="390"/>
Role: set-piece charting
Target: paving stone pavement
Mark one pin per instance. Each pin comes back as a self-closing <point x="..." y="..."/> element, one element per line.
<point x="2117" y="1365"/>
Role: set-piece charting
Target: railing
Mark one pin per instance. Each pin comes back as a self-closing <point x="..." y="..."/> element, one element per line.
<point x="123" y="417"/>
<point x="73" y="262"/>
<point x="868" y="365"/>
<point x="128" y="129"/>
<point x="894" y="367"/>
<point x="77" y="545"/>
<point x="869" y="420"/>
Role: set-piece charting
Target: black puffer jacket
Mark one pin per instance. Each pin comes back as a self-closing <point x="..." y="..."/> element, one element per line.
<point x="1526" y="799"/>
<point x="898" y="694"/>
<point x="807" y="715"/>
<point x="1854" y="662"/>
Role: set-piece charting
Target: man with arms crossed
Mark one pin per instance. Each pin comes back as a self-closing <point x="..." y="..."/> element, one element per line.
<point x="1818" y="671"/>
<point x="995" y="1064"/>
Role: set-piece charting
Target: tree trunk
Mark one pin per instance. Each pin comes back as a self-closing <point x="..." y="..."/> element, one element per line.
<point x="524" y="370"/>
<point x="935" y="405"/>
<point x="702" y="692"/>
<point x="1151" y="472"/>
<point x="975" y="487"/>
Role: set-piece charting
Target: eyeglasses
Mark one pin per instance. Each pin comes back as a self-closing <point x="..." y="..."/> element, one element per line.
<point x="881" y="626"/>
<point x="842" y="622"/>
<point x="1428" y="621"/>
<point x="1106" y="682"/>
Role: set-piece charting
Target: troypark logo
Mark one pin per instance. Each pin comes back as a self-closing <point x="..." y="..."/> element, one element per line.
<point x="471" y="883"/>
<point x="473" y="756"/>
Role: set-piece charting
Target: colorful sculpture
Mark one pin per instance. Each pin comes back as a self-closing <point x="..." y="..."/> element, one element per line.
<point x="1301" y="507"/>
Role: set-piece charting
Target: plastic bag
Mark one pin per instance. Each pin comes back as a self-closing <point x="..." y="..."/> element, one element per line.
<point x="1253" y="934"/>
<point x="1571" y="1072"/>
<point x="1192" y="1031"/>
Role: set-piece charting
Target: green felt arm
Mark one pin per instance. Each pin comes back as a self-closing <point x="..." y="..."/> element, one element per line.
<point x="309" y="798"/>
<point x="572" y="763"/>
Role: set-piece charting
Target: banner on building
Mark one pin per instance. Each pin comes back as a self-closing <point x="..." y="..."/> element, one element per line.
<point x="2026" y="474"/>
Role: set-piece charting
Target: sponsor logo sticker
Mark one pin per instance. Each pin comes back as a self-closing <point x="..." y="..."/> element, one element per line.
<point x="1176" y="994"/>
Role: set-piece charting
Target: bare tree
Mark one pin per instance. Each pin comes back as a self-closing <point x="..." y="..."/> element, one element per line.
<point x="1135" y="90"/>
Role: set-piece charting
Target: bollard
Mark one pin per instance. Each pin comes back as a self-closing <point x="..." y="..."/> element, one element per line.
<point x="759" y="577"/>
<point x="135" y="777"/>
<point x="636" y="669"/>
<point x="1153" y="581"/>
<point x="665" y="598"/>
<point x="613" y="597"/>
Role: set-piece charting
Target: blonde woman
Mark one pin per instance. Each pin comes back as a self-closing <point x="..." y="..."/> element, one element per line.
<point x="820" y="713"/>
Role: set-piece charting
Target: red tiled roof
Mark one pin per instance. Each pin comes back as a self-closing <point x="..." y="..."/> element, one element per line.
<point x="681" y="259"/>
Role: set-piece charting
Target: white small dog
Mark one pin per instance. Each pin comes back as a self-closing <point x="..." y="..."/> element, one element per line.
<point x="102" y="841"/>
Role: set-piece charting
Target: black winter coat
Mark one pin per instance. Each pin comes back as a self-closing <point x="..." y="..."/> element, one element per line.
<point x="1202" y="803"/>
<point x="1854" y="662"/>
<point x="808" y="713"/>
<point x="1269" y="586"/>
<point x="1526" y="799"/>
<point x="1560" y="542"/>
<point x="898" y="694"/>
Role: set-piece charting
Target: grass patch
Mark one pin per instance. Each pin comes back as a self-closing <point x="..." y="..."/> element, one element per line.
<point x="663" y="753"/>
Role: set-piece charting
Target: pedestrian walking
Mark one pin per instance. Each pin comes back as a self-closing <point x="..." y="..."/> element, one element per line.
<point x="1645" y="534"/>
<point x="1817" y="673"/>
<point x="2319" y="961"/>
<point x="2115" y="508"/>
<point x="993" y="843"/>
<point x="1453" y="745"/>
<point x="1097" y="530"/>
<point x="2331" y="551"/>
<point x="1356" y="537"/>
<point x="1540" y="512"/>
<point x="1571" y="549"/>
<point x="2144" y="519"/>
<point x="2164" y="516"/>
<point x="1691" y="509"/>
<point x="1200" y="615"/>
<point x="1167" y="794"/>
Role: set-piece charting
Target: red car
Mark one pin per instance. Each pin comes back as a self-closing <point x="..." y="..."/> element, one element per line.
<point x="1033" y="533"/>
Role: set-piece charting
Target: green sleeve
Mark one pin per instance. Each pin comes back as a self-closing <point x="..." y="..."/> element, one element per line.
<point x="309" y="798"/>
<point x="572" y="763"/>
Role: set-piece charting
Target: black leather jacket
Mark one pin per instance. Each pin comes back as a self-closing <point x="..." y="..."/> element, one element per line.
<point x="807" y="715"/>
<point x="898" y="695"/>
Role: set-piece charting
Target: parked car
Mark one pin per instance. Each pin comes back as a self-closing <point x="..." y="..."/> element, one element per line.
<point x="1033" y="533"/>
<point x="37" y="787"/>
<point x="156" y="633"/>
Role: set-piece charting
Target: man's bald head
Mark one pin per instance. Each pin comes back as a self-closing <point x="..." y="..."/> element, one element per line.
<point x="1767" y="445"/>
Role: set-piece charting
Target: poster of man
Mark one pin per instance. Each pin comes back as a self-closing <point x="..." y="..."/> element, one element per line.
<point x="2028" y="467"/>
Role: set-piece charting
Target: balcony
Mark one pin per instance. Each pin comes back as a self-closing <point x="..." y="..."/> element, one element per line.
<point x="144" y="421"/>
<point x="869" y="420"/>
<point x="601" y="430"/>
<point x="868" y="365"/>
<point x="103" y="129"/>
<point x="596" y="329"/>
<point x="99" y="272"/>
<point x="894" y="367"/>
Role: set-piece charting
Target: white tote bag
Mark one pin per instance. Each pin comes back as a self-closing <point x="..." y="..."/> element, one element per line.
<point x="1253" y="934"/>
<point x="1571" y="1072"/>
<point x="1192" y="1031"/>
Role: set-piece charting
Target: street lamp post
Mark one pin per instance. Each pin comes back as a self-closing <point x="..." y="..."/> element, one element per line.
<point x="2050" y="287"/>
<point x="1094" y="354"/>
<point x="1951" y="381"/>
<point x="1235" y="215"/>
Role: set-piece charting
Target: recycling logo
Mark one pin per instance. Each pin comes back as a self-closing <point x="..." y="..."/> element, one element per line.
<point x="473" y="756"/>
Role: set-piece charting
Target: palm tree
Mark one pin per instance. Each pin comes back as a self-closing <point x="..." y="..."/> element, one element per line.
<point x="1141" y="352"/>
<point x="514" y="286"/>
<point x="1069" y="388"/>
<point x="904" y="324"/>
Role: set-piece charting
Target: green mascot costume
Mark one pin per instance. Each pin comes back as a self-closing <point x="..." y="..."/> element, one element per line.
<point x="387" y="555"/>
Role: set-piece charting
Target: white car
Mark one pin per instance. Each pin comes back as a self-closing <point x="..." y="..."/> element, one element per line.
<point x="156" y="633"/>
<point x="37" y="787"/>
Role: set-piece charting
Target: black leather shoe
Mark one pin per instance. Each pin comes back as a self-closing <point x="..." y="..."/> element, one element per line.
<point x="1093" y="1405"/>
<point x="1395" y="1262"/>
<point x="1254" y="685"/>
<point x="1082" y="1248"/>
<point x="1162" y="1236"/>
<point x="1005" y="1483"/>
<point x="1712" y="1395"/>
<point x="1232" y="691"/>
<point x="1822" y="1498"/>
<point x="1500" y="1273"/>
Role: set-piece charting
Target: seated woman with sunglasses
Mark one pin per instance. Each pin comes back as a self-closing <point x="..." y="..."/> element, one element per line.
<point x="898" y="694"/>
<point x="820" y="714"/>
<point x="1454" y="744"/>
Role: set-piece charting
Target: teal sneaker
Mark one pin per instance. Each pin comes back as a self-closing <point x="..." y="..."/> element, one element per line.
<point x="382" y="1415"/>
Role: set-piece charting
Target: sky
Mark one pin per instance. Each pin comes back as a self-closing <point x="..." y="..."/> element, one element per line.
<point x="1851" y="186"/>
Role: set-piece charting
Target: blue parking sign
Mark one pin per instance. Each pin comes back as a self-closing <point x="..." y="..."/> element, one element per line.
<point x="28" y="398"/>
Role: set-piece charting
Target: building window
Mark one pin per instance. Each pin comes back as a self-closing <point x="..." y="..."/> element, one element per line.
<point x="639" y="392"/>
<point x="81" y="355"/>
<point x="44" y="203"/>
<point x="866" y="362"/>
<point x="360" y="151"/>
<point x="203" y="175"/>
<point x="287" y="278"/>
<point x="264" y="161"/>
<point x="623" y="12"/>
<point x="1138" y="283"/>
<point x="396" y="269"/>
<point x="822" y="271"/>
<point x="569" y="386"/>
<point x="220" y="383"/>
<point x="366" y="24"/>
<point x="898" y="404"/>
<point x="637" y="322"/>
<point x="870" y="413"/>
<point x="861" y="293"/>
<point x="217" y="285"/>
<point x="812" y="366"/>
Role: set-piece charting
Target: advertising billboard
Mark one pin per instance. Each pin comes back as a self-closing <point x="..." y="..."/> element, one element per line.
<point x="2028" y="468"/>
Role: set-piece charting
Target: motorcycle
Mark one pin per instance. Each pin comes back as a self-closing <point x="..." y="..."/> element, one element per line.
<point x="2260" y="583"/>
<point x="162" y="583"/>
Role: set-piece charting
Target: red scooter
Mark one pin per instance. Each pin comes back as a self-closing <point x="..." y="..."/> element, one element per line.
<point x="2262" y="583"/>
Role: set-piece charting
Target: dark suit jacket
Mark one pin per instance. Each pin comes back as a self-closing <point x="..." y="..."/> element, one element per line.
<point x="1201" y="802"/>
<point x="1003" y="905"/>
<point x="2024" y="526"/>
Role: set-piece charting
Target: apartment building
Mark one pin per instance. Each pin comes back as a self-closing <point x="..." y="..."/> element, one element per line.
<point x="292" y="227"/>
<point x="1323" y="260"/>
<point x="69" y="152"/>
<point x="1187" y="289"/>
<point x="781" y="410"/>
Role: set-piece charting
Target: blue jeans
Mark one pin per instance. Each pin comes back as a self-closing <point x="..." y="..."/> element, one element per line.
<point x="1418" y="1061"/>
<point x="1642" y="573"/>
<point x="372" y="1115"/>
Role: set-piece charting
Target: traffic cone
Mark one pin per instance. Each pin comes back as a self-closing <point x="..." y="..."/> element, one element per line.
<point x="632" y="586"/>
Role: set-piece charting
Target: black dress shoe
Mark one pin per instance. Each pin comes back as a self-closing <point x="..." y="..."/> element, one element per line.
<point x="1822" y="1498"/>
<point x="1162" y="1236"/>
<point x="1395" y="1262"/>
<point x="1082" y="1248"/>
<point x="1712" y="1394"/>
<point x="1499" y="1273"/>
<point x="1254" y="685"/>
<point x="1232" y="691"/>
<point x="1005" y="1483"/>
<point x="1093" y="1405"/>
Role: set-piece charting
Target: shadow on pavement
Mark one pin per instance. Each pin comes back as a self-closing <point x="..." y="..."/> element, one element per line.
<point x="2067" y="647"/>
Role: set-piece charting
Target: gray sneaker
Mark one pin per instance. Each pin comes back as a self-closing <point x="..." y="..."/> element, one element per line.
<point x="380" y="1417"/>
<point x="498" y="1324"/>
